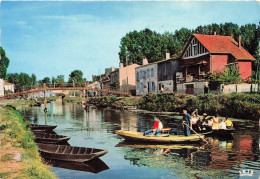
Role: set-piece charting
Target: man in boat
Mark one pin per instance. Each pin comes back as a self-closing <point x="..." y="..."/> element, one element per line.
<point x="187" y="124"/>
<point x="156" y="130"/>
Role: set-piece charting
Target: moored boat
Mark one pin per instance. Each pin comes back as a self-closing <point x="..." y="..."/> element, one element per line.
<point x="42" y="127"/>
<point x="69" y="153"/>
<point x="138" y="136"/>
<point x="48" y="138"/>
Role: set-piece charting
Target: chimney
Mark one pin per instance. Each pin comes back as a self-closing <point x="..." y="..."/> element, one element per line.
<point x="215" y="33"/>
<point x="239" y="41"/>
<point x="121" y="65"/>
<point x="168" y="56"/>
<point x="145" y="61"/>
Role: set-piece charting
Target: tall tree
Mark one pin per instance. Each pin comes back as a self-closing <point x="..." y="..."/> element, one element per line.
<point x="76" y="76"/>
<point x="34" y="79"/>
<point x="25" y="81"/>
<point x="4" y="63"/>
<point x="135" y="46"/>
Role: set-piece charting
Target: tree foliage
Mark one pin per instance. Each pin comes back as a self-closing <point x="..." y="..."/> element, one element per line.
<point x="4" y="63"/>
<point x="135" y="46"/>
<point x="22" y="81"/>
<point x="76" y="76"/>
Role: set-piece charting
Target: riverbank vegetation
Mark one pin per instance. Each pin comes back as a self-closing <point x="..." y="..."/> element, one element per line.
<point x="238" y="105"/>
<point x="114" y="102"/>
<point x="19" y="154"/>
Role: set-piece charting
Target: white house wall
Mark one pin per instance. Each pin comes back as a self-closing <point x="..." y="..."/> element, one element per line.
<point x="142" y="82"/>
<point x="2" y="92"/>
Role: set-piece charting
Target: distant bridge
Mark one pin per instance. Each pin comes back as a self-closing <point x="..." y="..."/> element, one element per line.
<point x="10" y="96"/>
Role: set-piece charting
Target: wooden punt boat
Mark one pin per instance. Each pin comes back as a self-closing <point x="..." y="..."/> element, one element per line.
<point x="48" y="138"/>
<point x="138" y="136"/>
<point x="218" y="133"/>
<point x="41" y="131"/>
<point x="42" y="127"/>
<point x="94" y="166"/>
<point x="69" y="153"/>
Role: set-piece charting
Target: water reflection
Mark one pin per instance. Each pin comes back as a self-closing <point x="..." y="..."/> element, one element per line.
<point x="96" y="127"/>
<point x="93" y="166"/>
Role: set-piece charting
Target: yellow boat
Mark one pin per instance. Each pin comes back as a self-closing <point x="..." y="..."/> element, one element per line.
<point x="138" y="136"/>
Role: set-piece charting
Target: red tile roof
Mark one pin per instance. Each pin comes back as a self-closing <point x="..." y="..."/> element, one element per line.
<point x="223" y="44"/>
<point x="6" y="83"/>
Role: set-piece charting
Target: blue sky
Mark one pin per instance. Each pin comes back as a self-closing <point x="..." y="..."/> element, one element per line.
<point x="53" y="38"/>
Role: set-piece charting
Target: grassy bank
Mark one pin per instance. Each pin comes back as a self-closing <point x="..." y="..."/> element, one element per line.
<point x="54" y="98"/>
<point x="19" y="154"/>
<point x="238" y="105"/>
<point x="115" y="102"/>
<point x="73" y="99"/>
<point x="21" y="104"/>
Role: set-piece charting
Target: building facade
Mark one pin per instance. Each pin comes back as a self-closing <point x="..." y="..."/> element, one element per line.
<point x="211" y="53"/>
<point x="167" y="70"/>
<point x="146" y="78"/>
<point x="9" y="86"/>
<point x="114" y="80"/>
<point x="127" y="79"/>
<point x="2" y="91"/>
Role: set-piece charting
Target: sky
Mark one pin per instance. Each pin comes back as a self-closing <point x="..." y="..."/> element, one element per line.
<point x="57" y="37"/>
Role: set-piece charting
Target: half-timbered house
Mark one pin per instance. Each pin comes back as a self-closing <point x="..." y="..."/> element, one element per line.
<point x="211" y="53"/>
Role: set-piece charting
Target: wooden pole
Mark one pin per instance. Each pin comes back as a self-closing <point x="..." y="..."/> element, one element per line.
<point x="196" y="132"/>
<point x="45" y="98"/>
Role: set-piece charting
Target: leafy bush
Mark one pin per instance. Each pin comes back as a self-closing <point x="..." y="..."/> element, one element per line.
<point x="240" y="105"/>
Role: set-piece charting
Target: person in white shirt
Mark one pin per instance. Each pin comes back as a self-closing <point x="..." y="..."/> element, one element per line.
<point x="222" y="124"/>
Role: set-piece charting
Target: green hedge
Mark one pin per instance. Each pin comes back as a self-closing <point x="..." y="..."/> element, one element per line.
<point x="239" y="105"/>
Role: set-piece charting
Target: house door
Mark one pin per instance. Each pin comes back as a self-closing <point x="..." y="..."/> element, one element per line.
<point x="190" y="89"/>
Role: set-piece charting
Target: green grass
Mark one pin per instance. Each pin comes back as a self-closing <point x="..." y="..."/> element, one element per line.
<point x="73" y="99"/>
<point x="22" y="138"/>
<point x="7" y="157"/>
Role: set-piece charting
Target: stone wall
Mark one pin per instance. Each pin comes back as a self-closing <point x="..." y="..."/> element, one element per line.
<point x="198" y="87"/>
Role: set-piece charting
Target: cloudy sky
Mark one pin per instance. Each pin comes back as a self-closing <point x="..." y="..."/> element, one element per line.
<point x="53" y="38"/>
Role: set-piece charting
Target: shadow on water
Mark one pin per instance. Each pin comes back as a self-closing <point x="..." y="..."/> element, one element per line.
<point x="93" y="166"/>
<point x="95" y="128"/>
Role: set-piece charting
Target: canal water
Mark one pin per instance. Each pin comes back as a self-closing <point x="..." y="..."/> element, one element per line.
<point x="235" y="157"/>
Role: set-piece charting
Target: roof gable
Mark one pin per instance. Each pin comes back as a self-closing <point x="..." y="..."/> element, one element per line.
<point x="194" y="49"/>
<point x="223" y="44"/>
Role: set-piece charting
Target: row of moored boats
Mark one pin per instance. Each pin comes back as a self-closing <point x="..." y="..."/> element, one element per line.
<point x="53" y="146"/>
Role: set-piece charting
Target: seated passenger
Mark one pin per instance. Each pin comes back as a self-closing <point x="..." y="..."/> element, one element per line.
<point x="222" y="124"/>
<point x="201" y="124"/>
<point x="210" y="124"/>
<point x="194" y="120"/>
<point x="215" y="122"/>
<point x="229" y="123"/>
<point x="156" y="130"/>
